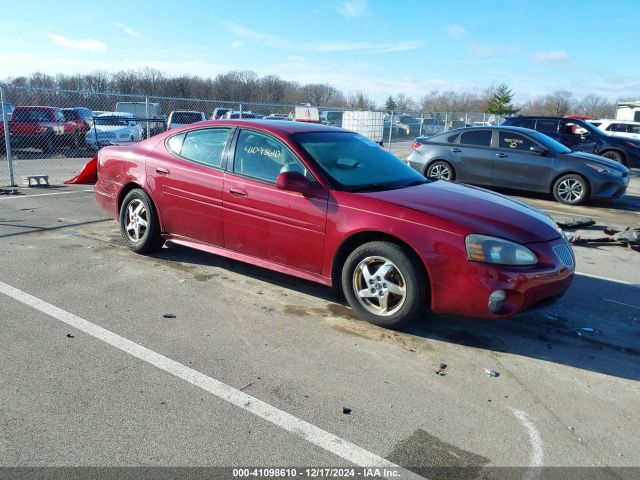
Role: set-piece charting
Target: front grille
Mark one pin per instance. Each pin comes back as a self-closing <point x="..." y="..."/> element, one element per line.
<point x="564" y="254"/>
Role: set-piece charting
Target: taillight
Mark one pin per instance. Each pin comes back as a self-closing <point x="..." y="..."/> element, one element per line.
<point x="416" y="145"/>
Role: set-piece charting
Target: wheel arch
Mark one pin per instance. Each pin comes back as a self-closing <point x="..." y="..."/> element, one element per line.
<point x="354" y="241"/>
<point x="439" y="159"/>
<point x="617" y="150"/>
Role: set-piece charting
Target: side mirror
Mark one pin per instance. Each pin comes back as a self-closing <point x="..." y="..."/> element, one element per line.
<point x="538" y="149"/>
<point x="296" y="182"/>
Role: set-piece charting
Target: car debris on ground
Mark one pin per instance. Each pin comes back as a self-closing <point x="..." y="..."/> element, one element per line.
<point x="441" y="370"/>
<point x="492" y="373"/>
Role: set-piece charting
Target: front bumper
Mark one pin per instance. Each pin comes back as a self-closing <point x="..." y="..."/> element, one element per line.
<point x="608" y="187"/>
<point x="461" y="287"/>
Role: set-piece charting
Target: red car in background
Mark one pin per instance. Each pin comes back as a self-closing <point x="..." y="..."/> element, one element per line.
<point x="82" y="118"/>
<point x="44" y="128"/>
<point x="328" y="205"/>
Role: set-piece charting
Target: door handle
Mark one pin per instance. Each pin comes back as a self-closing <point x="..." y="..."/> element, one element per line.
<point x="456" y="150"/>
<point x="162" y="170"/>
<point x="238" y="192"/>
<point x="501" y="155"/>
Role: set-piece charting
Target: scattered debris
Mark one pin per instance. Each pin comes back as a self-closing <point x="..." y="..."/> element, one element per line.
<point x="629" y="237"/>
<point x="70" y="336"/>
<point x="246" y="386"/>
<point x="70" y="232"/>
<point x="7" y="191"/>
<point x="571" y="428"/>
<point x="441" y="370"/>
<point x="168" y="315"/>
<point x="492" y="373"/>
<point x="395" y="334"/>
<point x="575" y="222"/>
<point x="346" y="410"/>
<point x="182" y="280"/>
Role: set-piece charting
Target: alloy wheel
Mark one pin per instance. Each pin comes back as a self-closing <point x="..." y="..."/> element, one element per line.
<point x="570" y="190"/>
<point x="379" y="286"/>
<point x="136" y="220"/>
<point x="440" y="172"/>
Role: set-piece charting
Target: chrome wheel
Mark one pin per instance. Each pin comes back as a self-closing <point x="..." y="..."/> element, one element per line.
<point x="136" y="220"/>
<point x="439" y="171"/>
<point x="570" y="190"/>
<point x="379" y="286"/>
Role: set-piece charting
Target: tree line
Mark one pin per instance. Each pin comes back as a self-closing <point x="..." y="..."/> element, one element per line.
<point x="247" y="86"/>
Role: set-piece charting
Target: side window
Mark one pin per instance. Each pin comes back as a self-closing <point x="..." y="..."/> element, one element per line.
<point x="547" y="126"/>
<point x="524" y="123"/>
<point x="514" y="141"/>
<point x="572" y="128"/>
<point x="452" y="138"/>
<point x="617" y="127"/>
<point x="481" y="138"/>
<point x="263" y="157"/>
<point x="59" y="116"/>
<point x="203" y="146"/>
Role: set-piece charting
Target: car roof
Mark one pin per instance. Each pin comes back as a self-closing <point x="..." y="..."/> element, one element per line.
<point x="273" y="126"/>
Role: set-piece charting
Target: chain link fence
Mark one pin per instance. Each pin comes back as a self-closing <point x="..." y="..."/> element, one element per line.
<point x="52" y="133"/>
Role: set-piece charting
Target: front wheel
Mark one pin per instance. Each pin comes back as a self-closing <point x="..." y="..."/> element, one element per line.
<point x="383" y="285"/>
<point x="613" y="155"/>
<point x="139" y="224"/>
<point x="571" y="189"/>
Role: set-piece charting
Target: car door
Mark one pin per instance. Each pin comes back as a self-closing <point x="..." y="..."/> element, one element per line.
<point x="185" y="176"/>
<point x="516" y="166"/>
<point x="263" y="221"/>
<point x="576" y="137"/>
<point x="473" y="157"/>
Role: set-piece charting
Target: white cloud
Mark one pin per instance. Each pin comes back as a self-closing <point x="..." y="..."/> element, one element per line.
<point x="352" y="8"/>
<point x="237" y="44"/>
<point x="554" y="56"/>
<point x="366" y="46"/>
<point x="89" y="44"/>
<point x="126" y="29"/>
<point x="456" y="31"/>
<point x="484" y="50"/>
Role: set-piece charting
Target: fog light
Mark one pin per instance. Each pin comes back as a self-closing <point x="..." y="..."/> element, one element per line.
<point x="496" y="301"/>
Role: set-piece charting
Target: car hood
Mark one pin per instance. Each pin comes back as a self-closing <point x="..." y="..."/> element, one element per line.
<point x="475" y="210"/>
<point x="591" y="158"/>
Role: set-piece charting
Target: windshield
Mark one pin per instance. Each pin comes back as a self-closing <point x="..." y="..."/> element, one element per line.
<point x="355" y="163"/>
<point x="548" y="142"/>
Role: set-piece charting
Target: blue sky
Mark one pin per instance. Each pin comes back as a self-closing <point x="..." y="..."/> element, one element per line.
<point x="379" y="47"/>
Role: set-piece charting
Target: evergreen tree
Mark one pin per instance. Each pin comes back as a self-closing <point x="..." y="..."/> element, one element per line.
<point x="500" y="101"/>
<point x="390" y="105"/>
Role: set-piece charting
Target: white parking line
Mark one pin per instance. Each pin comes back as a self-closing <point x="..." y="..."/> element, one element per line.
<point x="620" y="303"/>
<point x="16" y="197"/>
<point x="536" y="445"/>
<point x="622" y="282"/>
<point x="323" y="439"/>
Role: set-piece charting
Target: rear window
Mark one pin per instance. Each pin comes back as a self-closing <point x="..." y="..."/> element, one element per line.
<point x="31" y="115"/>
<point x="547" y="126"/>
<point x="334" y="116"/>
<point x="524" y="123"/>
<point x="70" y="115"/>
<point x="186" y="117"/>
<point x="480" y="138"/>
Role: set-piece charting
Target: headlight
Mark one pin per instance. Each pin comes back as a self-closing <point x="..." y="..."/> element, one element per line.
<point x="605" y="170"/>
<point x="482" y="248"/>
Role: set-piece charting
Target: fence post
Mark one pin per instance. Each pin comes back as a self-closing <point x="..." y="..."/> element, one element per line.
<point x="446" y="121"/>
<point x="390" y="132"/>
<point x="146" y="113"/>
<point x="421" y="123"/>
<point x="7" y="139"/>
<point x="240" y="110"/>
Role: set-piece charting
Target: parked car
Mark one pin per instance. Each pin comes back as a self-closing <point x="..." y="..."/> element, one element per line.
<point x="331" y="118"/>
<point x="113" y="127"/>
<point x="82" y="118"/>
<point x="219" y="113"/>
<point x="247" y="115"/>
<point x="40" y="127"/>
<point x="580" y="135"/>
<point x="277" y="116"/>
<point x="147" y="114"/>
<point x="180" y="118"/>
<point x="618" y="128"/>
<point x="409" y="126"/>
<point x="330" y="206"/>
<point x="518" y="158"/>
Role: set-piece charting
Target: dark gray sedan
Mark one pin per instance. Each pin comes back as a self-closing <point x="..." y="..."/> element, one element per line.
<point x="518" y="158"/>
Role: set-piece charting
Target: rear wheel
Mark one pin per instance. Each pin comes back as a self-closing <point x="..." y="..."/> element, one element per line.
<point x="571" y="189"/>
<point x="613" y="155"/>
<point x="139" y="224"/>
<point x="383" y="284"/>
<point x="441" y="170"/>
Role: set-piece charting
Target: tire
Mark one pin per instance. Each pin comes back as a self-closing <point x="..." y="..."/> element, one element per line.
<point x="395" y="296"/>
<point x="441" y="170"/>
<point x="613" y="155"/>
<point x="571" y="189"/>
<point x="49" y="143"/>
<point x="139" y="223"/>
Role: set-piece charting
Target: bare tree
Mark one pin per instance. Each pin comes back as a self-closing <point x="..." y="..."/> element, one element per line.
<point x="597" y="107"/>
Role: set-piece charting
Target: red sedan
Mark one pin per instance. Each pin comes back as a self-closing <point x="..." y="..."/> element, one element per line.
<point x="329" y="205"/>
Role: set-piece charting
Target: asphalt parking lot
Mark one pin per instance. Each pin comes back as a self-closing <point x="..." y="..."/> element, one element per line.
<point x="187" y="359"/>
